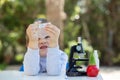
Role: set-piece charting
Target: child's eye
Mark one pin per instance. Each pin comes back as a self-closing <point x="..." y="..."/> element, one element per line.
<point x="47" y="37"/>
<point x="39" y="38"/>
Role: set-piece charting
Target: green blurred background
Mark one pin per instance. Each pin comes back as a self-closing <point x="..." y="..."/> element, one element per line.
<point x="96" y="21"/>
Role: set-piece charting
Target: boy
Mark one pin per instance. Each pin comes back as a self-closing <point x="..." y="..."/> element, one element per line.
<point x="43" y="53"/>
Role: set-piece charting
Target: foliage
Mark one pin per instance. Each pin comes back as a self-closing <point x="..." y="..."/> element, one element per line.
<point x="15" y="15"/>
<point x="96" y="21"/>
<point x="3" y="66"/>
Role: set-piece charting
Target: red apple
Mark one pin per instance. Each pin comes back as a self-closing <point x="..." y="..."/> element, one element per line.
<point x="92" y="71"/>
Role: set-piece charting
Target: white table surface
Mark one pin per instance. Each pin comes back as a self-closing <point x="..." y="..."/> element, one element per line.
<point x="17" y="75"/>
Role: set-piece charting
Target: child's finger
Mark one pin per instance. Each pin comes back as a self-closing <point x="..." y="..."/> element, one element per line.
<point x="53" y="28"/>
<point x="50" y="31"/>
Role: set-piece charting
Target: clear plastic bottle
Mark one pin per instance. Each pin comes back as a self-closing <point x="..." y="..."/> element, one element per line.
<point x="42" y="33"/>
<point x="96" y="59"/>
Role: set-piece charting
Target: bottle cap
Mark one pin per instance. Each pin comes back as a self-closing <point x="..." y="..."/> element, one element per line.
<point x="95" y="53"/>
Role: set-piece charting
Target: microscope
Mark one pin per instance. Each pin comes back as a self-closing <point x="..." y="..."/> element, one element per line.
<point x="75" y="69"/>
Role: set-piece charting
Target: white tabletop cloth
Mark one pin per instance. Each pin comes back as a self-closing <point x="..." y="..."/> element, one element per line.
<point x="17" y="75"/>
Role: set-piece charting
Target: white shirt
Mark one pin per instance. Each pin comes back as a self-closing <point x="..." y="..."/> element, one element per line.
<point x="53" y="64"/>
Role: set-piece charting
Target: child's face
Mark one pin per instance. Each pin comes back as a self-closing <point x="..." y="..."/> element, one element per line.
<point x="43" y="45"/>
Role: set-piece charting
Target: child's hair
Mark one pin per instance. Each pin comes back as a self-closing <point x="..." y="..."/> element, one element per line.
<point x="43" y="20"/>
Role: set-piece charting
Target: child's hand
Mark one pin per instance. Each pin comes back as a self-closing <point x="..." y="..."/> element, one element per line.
<point x="53" y="33"/>
<point x="32" y="33"/>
